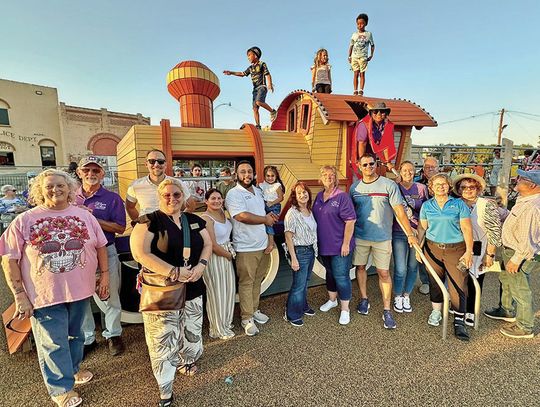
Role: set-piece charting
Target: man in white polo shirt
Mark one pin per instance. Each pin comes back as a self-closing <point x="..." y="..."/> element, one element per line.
<point x="144" y="190"/>
<point x="245" y="204"/>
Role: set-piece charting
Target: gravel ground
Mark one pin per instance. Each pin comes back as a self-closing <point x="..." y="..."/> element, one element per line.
<point x="319" y="364"/>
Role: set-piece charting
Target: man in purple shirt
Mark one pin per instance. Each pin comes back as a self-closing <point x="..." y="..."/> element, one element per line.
<point x="109" y="210"/>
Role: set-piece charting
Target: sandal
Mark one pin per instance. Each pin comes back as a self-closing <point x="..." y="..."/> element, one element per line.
<point x="83" y="376"/>
<point x="69" y="399"/>
<point x="189" y="369"/>
<point x="166" y="402"/>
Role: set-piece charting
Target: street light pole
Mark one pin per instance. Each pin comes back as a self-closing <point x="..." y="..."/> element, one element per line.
<point x="222" y="104"/>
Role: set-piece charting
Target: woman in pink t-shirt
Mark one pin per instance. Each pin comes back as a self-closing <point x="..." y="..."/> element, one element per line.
<point x="51" y="254"/>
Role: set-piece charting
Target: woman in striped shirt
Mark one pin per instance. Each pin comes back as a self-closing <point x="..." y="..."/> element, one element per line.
<point x="301" y="240"/>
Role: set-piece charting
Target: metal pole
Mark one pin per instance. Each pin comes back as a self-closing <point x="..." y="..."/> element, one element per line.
<point x="501" y="128"/>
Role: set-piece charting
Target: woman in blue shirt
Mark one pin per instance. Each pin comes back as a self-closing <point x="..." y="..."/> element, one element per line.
<point x="449" y="249"/>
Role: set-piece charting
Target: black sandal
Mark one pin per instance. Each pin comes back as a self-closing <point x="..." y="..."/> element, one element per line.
<point x="166" y="402"/>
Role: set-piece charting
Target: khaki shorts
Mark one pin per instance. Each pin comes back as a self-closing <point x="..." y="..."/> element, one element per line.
<point x="359" y="64"/>
<point x="381" y="253"/>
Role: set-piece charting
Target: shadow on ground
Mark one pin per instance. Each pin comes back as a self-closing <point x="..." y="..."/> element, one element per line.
<point x="319" y="364"/>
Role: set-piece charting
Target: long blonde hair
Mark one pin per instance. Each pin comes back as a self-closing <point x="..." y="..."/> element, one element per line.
<point x="317" y="57"/>
<point x="36" y="197"/>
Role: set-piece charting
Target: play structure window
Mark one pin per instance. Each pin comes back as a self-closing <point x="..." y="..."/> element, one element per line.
<point x="4" y="117"/>
<point x="291" y="124"/>
<point x="306" y="116"/>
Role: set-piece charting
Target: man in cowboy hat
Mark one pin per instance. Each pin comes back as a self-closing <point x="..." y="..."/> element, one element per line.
<point x="521" y="255"/>
<point x="375" y="135"/>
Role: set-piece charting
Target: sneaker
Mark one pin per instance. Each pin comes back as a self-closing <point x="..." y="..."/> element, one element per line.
<point x="407" y="304"/>
<point x="398" y="304"/>
<point x="434" y="318"/>
<point x="389" y="322"/>
<point x="344" y="317"/>
<point x="298" y="322"/>
<point x="424" y="289"/>
<point x="227" y="337"/>
<point x="273" y="115"/>
<point x="250" y="328"/>
<point x="260" y="318"/>
<point x="258" y="126"/>
<point x="501" y="314"/>
<point x="360" y="93"/>
<point x="514" y="331"/>
<point x="116" y="346"/>
<point x="310" y="312"/>
<point x="363" y="306"/>
<point x="460" y="331"/>
<point x="328" y="305"/>
<point x="469" y="319"/>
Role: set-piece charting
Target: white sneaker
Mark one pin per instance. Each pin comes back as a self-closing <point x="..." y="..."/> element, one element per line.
<point x="344" y="317"/>
<point x="328" y="305"/>
<point x="398" y="304"/>
<point x="469" y="319"/>
<point x="407" y="304"/>
<point x="250" y="328"/>
<point x="260" y="318"/>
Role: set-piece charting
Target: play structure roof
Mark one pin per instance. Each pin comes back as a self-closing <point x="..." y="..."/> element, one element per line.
<point x="340" y="108"/>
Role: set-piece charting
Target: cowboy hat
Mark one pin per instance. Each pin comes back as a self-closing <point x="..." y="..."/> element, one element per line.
<point x="461" y="177"/>
<point x="379" y="106"/>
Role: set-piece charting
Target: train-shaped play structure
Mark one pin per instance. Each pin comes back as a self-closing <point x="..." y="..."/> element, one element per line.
<point x="310" y="130"/>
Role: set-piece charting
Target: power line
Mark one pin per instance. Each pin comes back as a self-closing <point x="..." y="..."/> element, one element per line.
<point x="475" y="116"/>
<point x="527" y="116"/>
<point x="525" y="113"/>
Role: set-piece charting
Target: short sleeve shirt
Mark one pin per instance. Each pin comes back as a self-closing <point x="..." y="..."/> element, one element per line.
<point x="144" y="192"/>
<point x="105" y="205"/>
<point x="57" y="253"/>
<point x="303" y="228"/>
<point x="247" y="238"/>
<point x="443" y="224"/>
<point x="270" y="190"/>
<point x="258" y="73"/>
<point x="360" y="42"/>
<point x="373" y="203"/>
<point x="331" y="217"/>
<point x="414" y="197"/>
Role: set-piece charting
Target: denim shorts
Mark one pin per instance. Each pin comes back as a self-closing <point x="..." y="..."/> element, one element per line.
<point x="259" y="94"/>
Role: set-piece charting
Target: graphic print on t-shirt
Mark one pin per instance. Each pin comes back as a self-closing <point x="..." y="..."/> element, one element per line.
<point x="60" y="242"/>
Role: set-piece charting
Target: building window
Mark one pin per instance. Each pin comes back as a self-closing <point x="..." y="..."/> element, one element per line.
<point x="306" y="116"/>
<point x="48" y="156"/>
<point x="4" y="117"/>
<point x="6" y="158"/>
<point x="291" y="124"/>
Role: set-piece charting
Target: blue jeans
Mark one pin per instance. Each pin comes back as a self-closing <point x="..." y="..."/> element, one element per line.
<point x="297" y="300"/>
<point x="405" y="264"/>
<point x="338" y="278"/>
<point x="59" y="343"/>
<point x="272" y="209"/>
<point x="113" y="312"/>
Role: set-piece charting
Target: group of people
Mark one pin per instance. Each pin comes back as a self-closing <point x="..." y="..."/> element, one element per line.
<point x="61" y="252"/>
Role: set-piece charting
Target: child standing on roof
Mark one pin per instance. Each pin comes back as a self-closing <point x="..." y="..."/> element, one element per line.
<point x="321" y="80"/>
<point x="358" y="53"/>
<point x="262" y="81"/>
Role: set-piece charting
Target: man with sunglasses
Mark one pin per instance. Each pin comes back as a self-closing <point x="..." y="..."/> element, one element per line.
<point x="109" y="210"/>
<point x="521" y="256"/>
<point x="376" y="199"/>
<point x="144" y="190"/>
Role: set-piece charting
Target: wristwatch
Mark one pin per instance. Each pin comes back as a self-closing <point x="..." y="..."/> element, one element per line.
<point x="203" y="262"/>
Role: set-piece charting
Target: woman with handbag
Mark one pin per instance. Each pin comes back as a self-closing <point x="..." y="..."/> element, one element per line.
<point x="173" y="248"/>
<point x="220" y="277"/>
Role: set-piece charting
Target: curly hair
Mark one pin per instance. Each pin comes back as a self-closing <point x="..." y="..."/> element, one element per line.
<point x="316" y="60"/>
<point x="36" y="196"/>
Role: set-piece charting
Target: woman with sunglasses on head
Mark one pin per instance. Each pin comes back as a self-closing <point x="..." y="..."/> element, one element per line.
<point x="51" y="254"/>
<point x="220" y="276"/>
<point x="159" y="242"/>
<point x="449" y="249"/>
<point x="486" y="227"/>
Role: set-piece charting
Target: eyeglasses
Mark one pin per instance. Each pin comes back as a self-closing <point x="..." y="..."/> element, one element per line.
<point x="12" y="190"/>
<point x="176" y="195"/>
<point x="152" y="161"/>
<point x="371" y="164"/>
<point x="376" y="111"/>
<point x="92" y="170"/>
<point x="467" y="187"/>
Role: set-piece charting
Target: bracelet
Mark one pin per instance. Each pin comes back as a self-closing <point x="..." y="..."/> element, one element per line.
<point x="490" y="255"/>
<point x="174" y="272"/>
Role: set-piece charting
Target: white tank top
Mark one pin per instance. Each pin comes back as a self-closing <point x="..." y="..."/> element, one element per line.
<point x="222" y="230"/>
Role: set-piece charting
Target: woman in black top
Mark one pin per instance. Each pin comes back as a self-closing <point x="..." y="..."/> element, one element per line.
<point x="157" y="242"/>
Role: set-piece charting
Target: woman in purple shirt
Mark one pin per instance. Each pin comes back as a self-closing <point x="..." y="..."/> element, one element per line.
<point x="335" y="216"/>
<point x="405" y="263"/>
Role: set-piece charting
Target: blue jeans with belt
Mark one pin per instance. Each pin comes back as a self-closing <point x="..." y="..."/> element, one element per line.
<point x="338" y="277"/>
<point x="59" y="343"/>
<point x="297" y="300"/>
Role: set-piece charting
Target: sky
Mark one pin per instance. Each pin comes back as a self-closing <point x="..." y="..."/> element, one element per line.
<point x="455" y="59"/>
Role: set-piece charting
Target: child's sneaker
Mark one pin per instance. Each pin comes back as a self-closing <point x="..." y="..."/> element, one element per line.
<point x="469" y="319"/>
<point x="258" y="126"/>
<point x="389" y="322"/>
<point x="398" y="304"/>
<point x="407" y="304"/>
<point x="360" y="93"/>
<point x="250" y="328"/>
<point x="309" y="312"/>
<point x="273" y="115"/>
<point x="260" y="318"/>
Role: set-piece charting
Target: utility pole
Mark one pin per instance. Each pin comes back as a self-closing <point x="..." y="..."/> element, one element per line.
<point x="501" y="128"/>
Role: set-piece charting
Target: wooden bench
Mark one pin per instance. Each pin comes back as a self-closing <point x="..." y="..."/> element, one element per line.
<point x="19" y="335"/>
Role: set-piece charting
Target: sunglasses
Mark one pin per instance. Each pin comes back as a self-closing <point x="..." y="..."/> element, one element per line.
<point x="376" y="111"/>
<point x="152" y="161"/>
<point x="92" y="170"/>
<point x="371" y="164"/>
<point x="176" y="195"/>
